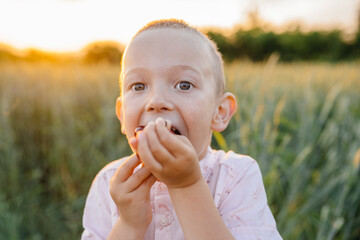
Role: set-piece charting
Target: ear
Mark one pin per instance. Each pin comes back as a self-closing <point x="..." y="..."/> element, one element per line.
<point x="118" y="110"/>
<point x="225" y="110"/>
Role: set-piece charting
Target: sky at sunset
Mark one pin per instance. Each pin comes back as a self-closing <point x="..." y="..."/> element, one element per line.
<point x="68" y="25"/>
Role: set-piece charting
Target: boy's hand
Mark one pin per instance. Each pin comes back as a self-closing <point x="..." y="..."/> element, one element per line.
<point x="131" y="194"/>
<point x="171" y="158"/>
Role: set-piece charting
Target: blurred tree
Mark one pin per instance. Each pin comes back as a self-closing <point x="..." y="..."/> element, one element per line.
<point x="7" y="53"/>
<point x="35" y="55"/>
<point x="358" y="20"/>
<point x="257" y="45"/>
<point x="103" y="51"/>
<point x="224" y="45"/>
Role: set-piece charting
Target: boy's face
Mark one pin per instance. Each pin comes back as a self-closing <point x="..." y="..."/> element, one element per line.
<point x="167" y="74"/>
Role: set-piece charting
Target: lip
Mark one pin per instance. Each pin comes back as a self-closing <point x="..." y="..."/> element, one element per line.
<point x="138" y="129"/>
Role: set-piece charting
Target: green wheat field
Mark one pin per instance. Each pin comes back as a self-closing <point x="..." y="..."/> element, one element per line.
<point x="300" y="121"/>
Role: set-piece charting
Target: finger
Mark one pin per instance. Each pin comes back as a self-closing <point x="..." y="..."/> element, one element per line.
<point x="148" y="183"/>
<point x="167" y="123"/>
<point x="137" y="179"/>
<point x="133" y="143"/>
<point x="170" y="140"/>
<point x="144" y="188"/>
<point x="158" y="150"/>
<point x="145" y="154"/>
<point x="126" y="169"/>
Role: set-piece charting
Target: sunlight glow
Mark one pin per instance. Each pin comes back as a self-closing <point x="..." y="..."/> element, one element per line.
<point x="66" y="25"/>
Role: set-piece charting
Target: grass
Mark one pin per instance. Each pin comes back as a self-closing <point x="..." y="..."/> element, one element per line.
<point x="301" y="121"/>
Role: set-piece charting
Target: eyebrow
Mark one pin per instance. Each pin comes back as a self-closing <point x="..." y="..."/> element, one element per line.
<point x="171" y="68"/>
<point x="189" y="68"/>
<point x="135" y="70"/>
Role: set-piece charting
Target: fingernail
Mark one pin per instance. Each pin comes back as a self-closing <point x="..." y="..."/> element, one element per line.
<point x="168" y="124"/>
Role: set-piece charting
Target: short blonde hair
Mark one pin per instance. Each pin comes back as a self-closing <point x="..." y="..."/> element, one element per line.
<point x="176" y="24"/>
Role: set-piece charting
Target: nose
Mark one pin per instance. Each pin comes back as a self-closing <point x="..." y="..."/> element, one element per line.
<point x="159" y="101"/>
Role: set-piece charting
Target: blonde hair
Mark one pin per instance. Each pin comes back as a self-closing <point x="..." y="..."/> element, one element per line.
<point x="176" y="24"/>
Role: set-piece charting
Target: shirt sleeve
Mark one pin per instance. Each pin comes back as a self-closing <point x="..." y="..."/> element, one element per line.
<point x="97" y="218"/>
<point x="243" y="205"/>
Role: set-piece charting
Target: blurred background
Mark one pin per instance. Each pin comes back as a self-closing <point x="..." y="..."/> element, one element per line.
<point x="293" y="65"/>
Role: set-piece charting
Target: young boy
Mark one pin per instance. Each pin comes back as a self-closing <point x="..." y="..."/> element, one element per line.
<point x="175" y="186"/>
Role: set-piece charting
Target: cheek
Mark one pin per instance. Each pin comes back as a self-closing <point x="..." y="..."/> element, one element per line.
<point x="129" y="119"/>
<point x="199" y="124"/>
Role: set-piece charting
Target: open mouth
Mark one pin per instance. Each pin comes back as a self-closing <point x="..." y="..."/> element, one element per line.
<point x="172" y="129"/>
<point x="175" y="131"/>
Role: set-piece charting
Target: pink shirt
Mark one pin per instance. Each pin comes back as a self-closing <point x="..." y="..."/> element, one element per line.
<point x="234" y="180"/>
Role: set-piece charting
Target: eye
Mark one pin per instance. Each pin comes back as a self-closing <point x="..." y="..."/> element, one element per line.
<point x="184" y="85"/>
<point x="138" y="87"/>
